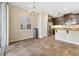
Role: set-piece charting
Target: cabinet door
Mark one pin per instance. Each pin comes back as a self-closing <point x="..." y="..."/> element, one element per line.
<point x="59" y="21"/>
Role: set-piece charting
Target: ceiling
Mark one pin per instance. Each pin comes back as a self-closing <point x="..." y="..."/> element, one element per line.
<point x="55" y="9"/>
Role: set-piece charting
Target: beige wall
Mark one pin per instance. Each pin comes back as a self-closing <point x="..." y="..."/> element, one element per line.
<point x="15" y="20"/>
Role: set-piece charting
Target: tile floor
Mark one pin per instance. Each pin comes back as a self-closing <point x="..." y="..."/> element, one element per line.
<point x="41" y="47"/>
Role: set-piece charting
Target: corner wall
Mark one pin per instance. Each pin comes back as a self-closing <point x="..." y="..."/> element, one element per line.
<point x="42" y="24"/>
<point x="15" y="17"/>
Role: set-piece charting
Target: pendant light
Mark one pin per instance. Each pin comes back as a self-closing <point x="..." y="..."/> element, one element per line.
<point x="33" y="10"/>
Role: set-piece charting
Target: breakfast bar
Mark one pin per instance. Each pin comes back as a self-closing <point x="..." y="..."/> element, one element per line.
<point x="67" y="33"/>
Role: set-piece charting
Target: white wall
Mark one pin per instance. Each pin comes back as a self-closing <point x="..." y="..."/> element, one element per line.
<point x="71" y="37"/>
<point x="0" y="25"/>
<point x="15" y="17"/>
<point x="42" y="24"/>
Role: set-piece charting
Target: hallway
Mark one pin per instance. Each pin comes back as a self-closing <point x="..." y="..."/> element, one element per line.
<point x="40" y="47"/>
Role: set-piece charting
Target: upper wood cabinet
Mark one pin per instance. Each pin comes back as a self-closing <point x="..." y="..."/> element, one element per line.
<point x="59" y="21"/>
<point x="67" y="19"/>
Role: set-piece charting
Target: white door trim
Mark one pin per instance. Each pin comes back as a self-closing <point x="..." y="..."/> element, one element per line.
<point x="4" y="29"/>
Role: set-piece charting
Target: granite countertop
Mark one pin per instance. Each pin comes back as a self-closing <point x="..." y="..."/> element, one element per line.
<point x="66" y="27"/>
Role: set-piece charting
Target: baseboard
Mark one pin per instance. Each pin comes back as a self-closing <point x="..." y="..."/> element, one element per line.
<point x="19" y="40"/>
<point x="67" y="43"/>
<point x="43" y="37"/>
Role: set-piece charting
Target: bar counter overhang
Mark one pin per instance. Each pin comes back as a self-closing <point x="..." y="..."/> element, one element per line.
<point x="66" y="27"/>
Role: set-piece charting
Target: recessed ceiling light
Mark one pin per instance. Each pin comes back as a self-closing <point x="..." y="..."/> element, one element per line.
<point x="65" y="9"/>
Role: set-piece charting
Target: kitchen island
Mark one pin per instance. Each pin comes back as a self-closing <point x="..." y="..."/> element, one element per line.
<point x="67" y="33"/>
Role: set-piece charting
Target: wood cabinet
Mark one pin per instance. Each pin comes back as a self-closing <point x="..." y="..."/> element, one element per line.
<point x="67" y="19"/>
<point x="59" y="21"/>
